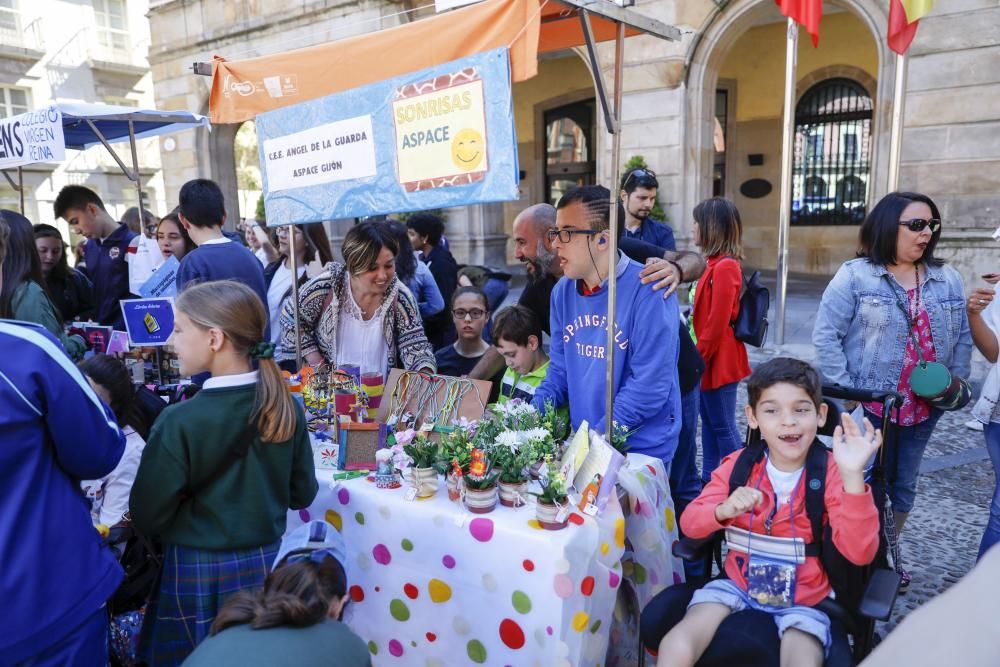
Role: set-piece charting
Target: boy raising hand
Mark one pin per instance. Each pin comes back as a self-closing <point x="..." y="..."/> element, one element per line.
<point x="768" y="566"/>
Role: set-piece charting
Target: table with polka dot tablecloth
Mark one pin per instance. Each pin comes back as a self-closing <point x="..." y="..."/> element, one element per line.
<point x="434" y="585"/>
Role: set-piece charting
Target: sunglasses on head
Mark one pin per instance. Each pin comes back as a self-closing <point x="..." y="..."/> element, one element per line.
<point x="919" y="224"/>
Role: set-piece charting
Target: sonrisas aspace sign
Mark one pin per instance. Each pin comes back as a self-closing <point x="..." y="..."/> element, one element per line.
<point x="436" y="138"/>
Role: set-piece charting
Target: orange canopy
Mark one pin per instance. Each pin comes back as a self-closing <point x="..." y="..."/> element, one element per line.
<point x="241" y="89"/>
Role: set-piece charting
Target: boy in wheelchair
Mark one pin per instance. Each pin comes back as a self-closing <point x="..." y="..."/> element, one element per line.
<point x="770" y="565"/>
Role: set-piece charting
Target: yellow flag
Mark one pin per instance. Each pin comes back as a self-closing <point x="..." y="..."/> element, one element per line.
<point x="917" y="9"/>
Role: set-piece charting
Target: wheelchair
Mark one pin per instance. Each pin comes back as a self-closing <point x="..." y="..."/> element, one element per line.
<point x="750" y="637"/>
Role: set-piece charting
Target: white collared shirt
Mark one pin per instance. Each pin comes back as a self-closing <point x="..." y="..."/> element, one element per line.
<point x="224" y="239"/>
<point x="238" y="380"/>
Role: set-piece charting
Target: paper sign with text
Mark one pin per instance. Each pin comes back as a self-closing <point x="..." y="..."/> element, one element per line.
<point x="36" y="136"/>
<point x="436" y="138"/>
<point x="148" y="321"/>
<point x="163" y="282"/>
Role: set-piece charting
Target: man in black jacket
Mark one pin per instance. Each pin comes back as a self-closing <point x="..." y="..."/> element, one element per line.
<point x="426" y="230"/>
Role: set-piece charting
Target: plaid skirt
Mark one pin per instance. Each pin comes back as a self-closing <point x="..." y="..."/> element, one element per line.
<point x="194" y="584"/>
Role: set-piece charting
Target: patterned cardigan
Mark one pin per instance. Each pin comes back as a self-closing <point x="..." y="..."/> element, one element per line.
<point x="402" y="327"/>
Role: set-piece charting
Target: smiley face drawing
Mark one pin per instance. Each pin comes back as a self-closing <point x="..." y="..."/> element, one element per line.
<point x="467" y="149"/>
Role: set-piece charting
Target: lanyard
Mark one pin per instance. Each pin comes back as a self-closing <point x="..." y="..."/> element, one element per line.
<point x="770" y="519"/>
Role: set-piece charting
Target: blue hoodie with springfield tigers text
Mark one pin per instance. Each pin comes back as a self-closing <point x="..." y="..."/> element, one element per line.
<point x="646" y="389"/>
<point x="54" y="431"/>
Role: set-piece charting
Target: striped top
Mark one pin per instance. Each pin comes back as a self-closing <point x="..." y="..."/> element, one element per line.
<point x="521" y="386"/>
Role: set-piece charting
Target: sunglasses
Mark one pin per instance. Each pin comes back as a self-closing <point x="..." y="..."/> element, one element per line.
<point x="475" y="313"/>
<point x="566" y="235"/>
<point x="918" y="225"/>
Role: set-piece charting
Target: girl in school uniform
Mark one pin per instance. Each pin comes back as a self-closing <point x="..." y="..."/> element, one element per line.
<point x="220" y="470"/>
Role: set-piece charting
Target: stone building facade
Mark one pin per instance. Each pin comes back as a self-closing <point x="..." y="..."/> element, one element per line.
<point x="704" y="112"/>
<point x="68" y="51"/>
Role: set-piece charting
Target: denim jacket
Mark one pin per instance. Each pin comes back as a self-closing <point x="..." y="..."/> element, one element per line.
<point x="861" y="333"/>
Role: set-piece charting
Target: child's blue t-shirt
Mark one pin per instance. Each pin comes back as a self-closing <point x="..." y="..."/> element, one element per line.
<point x="222" y="260"/>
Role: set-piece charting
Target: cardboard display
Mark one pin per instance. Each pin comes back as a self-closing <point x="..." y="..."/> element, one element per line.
<point x="358" y="444"/>
<point x="471" y="407"/>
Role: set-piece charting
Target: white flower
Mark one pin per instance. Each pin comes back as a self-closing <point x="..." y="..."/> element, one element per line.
<point x="537" y="433"/>
<point x="511" y="439"/>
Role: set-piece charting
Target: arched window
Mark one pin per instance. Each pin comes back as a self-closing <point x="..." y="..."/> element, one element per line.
<point x="833" y="123"/>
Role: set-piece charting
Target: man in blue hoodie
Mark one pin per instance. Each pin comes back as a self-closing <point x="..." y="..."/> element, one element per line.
<point x="646" y="389"/>
<point x="58" y="573"/>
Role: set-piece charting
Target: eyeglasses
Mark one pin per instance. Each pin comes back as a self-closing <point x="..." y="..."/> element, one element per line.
<point x="918" y="225"/>
<point x="566" y="235"/>
<point x="475" y="313"/>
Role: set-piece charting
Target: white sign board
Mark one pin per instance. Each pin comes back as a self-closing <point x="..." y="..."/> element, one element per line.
<point x="36" y="136"/>
<point x="339" y="151"/>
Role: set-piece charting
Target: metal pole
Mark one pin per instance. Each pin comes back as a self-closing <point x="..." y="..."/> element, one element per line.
<point x="295" y="294"/>
<point x="616" y="144"/>
<point x="787" y="138"/>
<point x="20" y="187"/>
<point x="135" y="173"/>
<point x="896" y="133"/>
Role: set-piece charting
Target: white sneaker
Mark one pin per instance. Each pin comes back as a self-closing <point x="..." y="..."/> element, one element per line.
<point x="974" y="425"/>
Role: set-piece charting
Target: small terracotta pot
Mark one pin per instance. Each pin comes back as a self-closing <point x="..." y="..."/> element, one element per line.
<point x="513" y="494"/>
<point x="481" y="501"/>
<point x="547" y="513"/>
<point x="425" y="481"/>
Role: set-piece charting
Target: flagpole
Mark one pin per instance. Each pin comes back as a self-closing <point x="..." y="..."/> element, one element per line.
<point x="787" y="138"/>
<point x="896" y="133"/>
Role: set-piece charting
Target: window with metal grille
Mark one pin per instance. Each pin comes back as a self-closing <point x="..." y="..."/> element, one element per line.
<point x="112" y="26"/>
<point x="569" y="142"/>
<point x="833" y="144"/>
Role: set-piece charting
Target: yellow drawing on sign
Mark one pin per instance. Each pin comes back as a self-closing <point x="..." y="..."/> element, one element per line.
<point x="152" y="326"/>
<point x="467" y="149"/>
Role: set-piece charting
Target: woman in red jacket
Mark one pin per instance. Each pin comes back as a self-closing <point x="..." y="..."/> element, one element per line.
<point x="718" y="230"/>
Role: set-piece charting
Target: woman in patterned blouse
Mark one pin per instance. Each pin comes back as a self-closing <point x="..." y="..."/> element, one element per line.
<point x="358" y="312"/>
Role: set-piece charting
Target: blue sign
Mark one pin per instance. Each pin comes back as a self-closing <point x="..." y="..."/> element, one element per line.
<point x="148" y="321"/>
<point x="163" y="282"/>
<point x="436" y="138"/>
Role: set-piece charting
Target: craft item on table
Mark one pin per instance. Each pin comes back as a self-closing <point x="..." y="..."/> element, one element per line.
<point x="577" y="451"/>
<point x="385" y="470"/>
<point x="552" y="508"/>
<point x="348" y="475"/>
<point x="602" y="461"/>
<point x="431" y="402"/>
<point x="455" y="481"/>
<point x="373" y="385"/>
<point x="353" y="370"/>
<point x="480" y="484"/>
<point x="588" y="497"/>
<point x="358" y="444"/>
<point x="325" y="455"/>
<point x="118" y="342"/>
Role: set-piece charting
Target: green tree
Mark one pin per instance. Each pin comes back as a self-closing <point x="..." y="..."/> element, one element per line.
<point x="259" y="213"/>
<point x="639" y="162"/>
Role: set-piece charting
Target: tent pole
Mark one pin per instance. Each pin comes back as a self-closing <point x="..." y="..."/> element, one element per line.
<point x="121" y="165"/>
<point x="295" y="294"/>
<point x="20" y="187"/>
<point x="896" y="133"/>
<point x="784" y="212"/>
<point x="135" y="171"/>
<point x="615" y="223"/>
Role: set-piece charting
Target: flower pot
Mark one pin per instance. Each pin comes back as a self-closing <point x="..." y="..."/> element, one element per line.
<point x="535" y="470"/>
<point x="481" y="501"/>
<point x="548" y="515"/>
<point x="513" y="494"/>
<point x="454" y="487"/>
<point x="425" y="481"/>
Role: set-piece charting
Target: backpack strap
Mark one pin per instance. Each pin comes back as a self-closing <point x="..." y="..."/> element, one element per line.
<point x="748" y="458"/>
<point x="816" y="466"/>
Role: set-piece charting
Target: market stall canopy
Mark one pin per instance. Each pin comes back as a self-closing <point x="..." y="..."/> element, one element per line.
<point x="112" y="122"/>
<point x="241" y="89"/>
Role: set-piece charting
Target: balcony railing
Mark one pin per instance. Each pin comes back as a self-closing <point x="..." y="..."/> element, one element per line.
<point x="29" y="38"/>
<point x="116" y="49"/>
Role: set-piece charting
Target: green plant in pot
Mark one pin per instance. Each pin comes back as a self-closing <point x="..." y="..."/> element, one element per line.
<point x="515" y="457"/>
<point x="480" y="484"/>
<point x="424" y="454"/>
<point x="552" y="509"/>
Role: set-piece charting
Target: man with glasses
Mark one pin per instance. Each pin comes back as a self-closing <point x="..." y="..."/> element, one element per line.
<point x="638" y="197"/>
<point x="646" y="389"/>
<point x="663" y="270"/>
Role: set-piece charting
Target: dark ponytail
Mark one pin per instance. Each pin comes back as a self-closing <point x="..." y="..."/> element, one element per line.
<point x="296" y="595"/>
<point x="111" y="374"/>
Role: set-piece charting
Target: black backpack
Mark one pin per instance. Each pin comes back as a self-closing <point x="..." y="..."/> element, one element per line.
<point x="750" y="325"/>
<point x="847" y="580"/>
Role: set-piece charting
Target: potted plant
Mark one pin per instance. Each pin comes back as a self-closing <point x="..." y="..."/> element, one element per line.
<point x="480" y="484"/>
<point x="552" y="509"/>
<point x="515" y="451"/>
<point x="423" y="455"/>
<point x="455" y="456"/>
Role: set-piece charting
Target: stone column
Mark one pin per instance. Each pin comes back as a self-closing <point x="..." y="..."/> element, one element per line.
<point x="476" y="234"/>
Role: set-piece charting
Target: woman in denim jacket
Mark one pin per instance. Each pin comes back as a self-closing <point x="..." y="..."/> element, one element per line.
<point x="878" y="307"/>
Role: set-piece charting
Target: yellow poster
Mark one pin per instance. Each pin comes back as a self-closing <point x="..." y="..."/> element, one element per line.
<point x="441" y="131"/>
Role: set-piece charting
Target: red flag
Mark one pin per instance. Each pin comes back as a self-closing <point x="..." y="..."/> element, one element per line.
<point x="806" y="13"/>
<point x="901" y="33"/>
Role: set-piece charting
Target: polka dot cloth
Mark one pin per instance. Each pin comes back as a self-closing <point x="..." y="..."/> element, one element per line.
<point x="434" y="585"/>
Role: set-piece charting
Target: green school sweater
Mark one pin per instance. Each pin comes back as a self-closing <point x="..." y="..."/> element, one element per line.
<point x="30" y="303"/>
<point x="326" y="644"/>
<point x="244" y="508"/>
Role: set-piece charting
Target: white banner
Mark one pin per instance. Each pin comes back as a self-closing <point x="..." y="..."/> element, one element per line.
<point x="340" y="151"/>
<point x="36" y="136"/>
